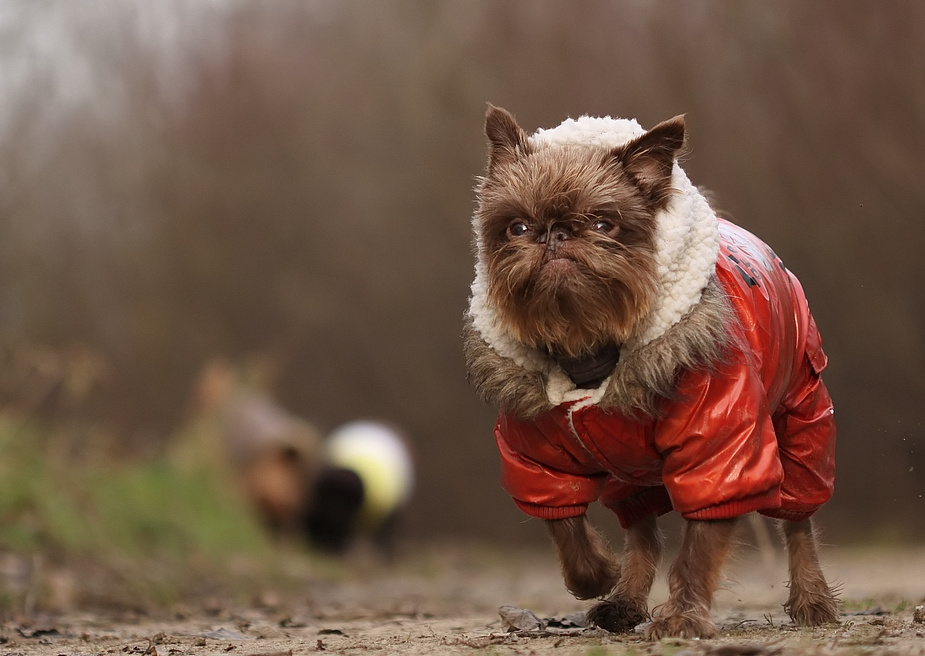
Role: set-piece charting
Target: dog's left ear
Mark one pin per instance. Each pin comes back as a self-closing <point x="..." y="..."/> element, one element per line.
<point x="649" y="159"/>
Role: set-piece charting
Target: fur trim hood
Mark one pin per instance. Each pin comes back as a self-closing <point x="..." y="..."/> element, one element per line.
<point x="684" y="329"/>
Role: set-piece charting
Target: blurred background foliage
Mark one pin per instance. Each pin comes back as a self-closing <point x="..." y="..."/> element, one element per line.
<point x="84" y="527"/>
<point x="291" y="183"/>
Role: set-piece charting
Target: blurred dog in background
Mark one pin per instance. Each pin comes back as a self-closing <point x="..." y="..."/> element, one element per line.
<point x="365" y="484"/>
<point x="334" y="491"/>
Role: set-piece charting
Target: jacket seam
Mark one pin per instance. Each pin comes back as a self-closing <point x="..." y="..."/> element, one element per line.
<point x="596" y="457"/>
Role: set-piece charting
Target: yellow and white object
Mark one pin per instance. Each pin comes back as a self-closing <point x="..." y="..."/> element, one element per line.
<point x="380" y="457"/>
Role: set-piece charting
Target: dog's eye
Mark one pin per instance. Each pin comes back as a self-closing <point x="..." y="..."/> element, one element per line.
<point x="517" y="229"/>
<point x="605" y="226"/>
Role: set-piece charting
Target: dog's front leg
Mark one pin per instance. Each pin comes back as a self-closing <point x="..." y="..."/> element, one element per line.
<point x="812" y="601"/>
<point x="692" y="580"/>
<point x="588" y="566"/>
<point x="628" y="605"/>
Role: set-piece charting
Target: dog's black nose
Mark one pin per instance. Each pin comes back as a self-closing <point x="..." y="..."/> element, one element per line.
<point x="554" y="237"/>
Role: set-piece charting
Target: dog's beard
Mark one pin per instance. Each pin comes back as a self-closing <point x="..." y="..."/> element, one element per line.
<point x="587" y="294"/>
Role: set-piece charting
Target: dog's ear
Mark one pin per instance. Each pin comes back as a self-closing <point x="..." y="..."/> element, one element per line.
<point x="507" y="140"/>
<point x="649" y="159"/>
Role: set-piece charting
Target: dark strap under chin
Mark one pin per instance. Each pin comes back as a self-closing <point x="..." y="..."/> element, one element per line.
<point x="590" y="371"/>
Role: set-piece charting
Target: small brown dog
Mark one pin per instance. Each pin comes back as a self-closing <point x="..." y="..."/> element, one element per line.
<point x="646" y="354"/>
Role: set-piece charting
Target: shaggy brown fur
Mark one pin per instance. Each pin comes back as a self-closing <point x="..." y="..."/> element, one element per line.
<point x="627" y="604"/>
<point x="570" y="235"/>
<point x="588" y="566"/>
<point x="692" y="580"/>
<point x="590" y="571"/>
<point x="568" y="239"/>
<point x="811" y="600"/>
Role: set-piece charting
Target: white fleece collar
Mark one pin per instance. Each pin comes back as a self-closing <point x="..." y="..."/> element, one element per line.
<point x="686" y="241"/>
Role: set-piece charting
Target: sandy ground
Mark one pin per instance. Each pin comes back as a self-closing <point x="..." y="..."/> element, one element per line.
<point x="447" y="601"/>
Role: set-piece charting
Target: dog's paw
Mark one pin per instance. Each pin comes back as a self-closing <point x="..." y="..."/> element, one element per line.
<point x="617" y="615"/>
<point x="590" y="580"/>
<point x="685" y="625"/>
<point x="812" y="608"/>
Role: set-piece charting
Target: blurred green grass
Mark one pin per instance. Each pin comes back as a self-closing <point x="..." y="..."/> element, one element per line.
<point x="132" y="533"/>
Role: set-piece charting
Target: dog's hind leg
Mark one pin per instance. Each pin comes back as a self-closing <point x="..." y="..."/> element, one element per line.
<point x="588" y="566"/>
<point x="811" y="601"/>
<point x="627" y="605"/>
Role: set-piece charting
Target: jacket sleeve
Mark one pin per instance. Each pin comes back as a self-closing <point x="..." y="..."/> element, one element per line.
<point x="805" y="426"/>
<point x="719" y="448"/>
<point x="537" y="489"/>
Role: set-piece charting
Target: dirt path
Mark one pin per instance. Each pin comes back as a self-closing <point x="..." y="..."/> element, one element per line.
<point x="448" y="604"/>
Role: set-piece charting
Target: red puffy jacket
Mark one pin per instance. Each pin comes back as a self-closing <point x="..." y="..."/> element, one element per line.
<point x="758" y="434"/>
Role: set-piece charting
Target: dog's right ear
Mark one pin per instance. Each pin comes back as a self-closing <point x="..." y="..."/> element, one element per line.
<point x="507" y="140"/>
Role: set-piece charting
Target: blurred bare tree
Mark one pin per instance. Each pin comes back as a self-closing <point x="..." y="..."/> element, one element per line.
<point x="180" y="180"/>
